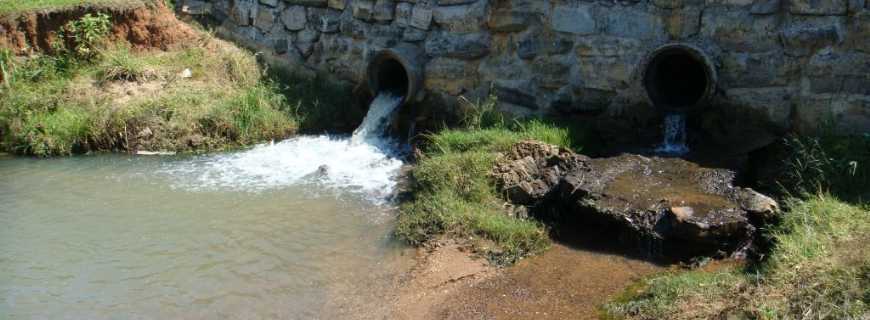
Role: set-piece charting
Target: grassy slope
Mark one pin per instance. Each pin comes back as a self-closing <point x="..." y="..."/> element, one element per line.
<point x="59" y="105"/>
<point x="15" y="6"/>
<point x="455" y="195"/>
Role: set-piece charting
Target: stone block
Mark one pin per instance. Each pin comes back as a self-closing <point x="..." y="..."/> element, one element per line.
<point x="607" y="46"/>
<point x="455" y="2"/>
<point x="830" y="72"/>
<point x="508" y="21"/>
<point x="451" y="75"/>
<point x="403" y="14"/>
<point x="324" y="20"/>
<point x="551" y="72"/>
<point x="534" y="44"/>
<point x="384" y="10"/>
<point x="738" y="30"/>
<point x="459" y="46"/>
<point x="421" y="17"/>
<point x="363" y="9"/>
<point x="461" y="18"/>
<point x="264" y="19"/>
<point x="765" y="7"/>
<point x="516" y="92"/>
<point x="294" y="18"/>
<point x="575" y="19"/>
<point x="851" y="115"/>
<point x="414" y="35"/>
<point x="337" y="4"/>
<point x="818" y="8"/>
<point x="633" y="22"/>
<point x="752" y="70"/>
<point x="606" y="73"/>
<point x="270" y="3"/>
<point x="803" y="40"/>
<point x="307" y="3"/>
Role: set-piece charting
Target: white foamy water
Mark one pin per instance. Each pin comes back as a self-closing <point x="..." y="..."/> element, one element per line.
<point x="675" y="135"/>
<point x="366" y="162"/>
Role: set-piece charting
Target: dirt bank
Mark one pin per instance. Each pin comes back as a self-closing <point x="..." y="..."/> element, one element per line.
<point x="150" y="25"/>
<point x="571" y="280"/>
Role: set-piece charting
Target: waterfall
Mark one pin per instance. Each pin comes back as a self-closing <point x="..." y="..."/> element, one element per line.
<point x="377" y="119"/>
<point x="365" y="163"/>
<point x="675" y="135"/>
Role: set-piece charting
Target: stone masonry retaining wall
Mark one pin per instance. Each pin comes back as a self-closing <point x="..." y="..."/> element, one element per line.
<point x="783" y="65"/>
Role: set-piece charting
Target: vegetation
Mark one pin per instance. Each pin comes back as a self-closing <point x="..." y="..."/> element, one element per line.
<point x="819" y="266"/>
<point x="98" y="96"/>
<point x="14" y="6"/>
<point x="454" y="193"/>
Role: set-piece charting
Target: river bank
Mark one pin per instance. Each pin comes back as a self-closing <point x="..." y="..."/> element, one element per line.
<point x="143" y="81"/>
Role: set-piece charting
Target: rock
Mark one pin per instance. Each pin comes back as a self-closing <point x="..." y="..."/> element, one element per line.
<point x="818" y="8"/>
<point x="363" y="9"/>
<point x="294" y="18"/>
<point x="421" y="17"/>
<point x="461" y="46"/>
<point x="403" y="14"/>
<point x="575" y="19"/>
<point x="531" y="170"/>
<point x="677" y="206"/>
<point x="803" y="40"/>
<point x="461" y="18"/>
<point x="270" y="3"/>
<point x="337" y="4"/>
<point x="324" y="20"/>
<point x="765" y="7"/>
<point x="384" y="10"/>
<point x="758" y="205"/>
<point x="307" y="3"/>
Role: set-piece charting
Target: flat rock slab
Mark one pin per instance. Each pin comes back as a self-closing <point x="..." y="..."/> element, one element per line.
<point x="667" y="206"/>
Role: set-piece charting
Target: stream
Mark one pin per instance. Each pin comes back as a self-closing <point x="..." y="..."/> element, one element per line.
<point x="276" y="231"/>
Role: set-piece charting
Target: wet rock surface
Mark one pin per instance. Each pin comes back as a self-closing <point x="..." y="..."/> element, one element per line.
<point x="666" y="207"/>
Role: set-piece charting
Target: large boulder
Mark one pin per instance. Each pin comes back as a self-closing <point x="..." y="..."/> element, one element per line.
<point x="666" y="206"/>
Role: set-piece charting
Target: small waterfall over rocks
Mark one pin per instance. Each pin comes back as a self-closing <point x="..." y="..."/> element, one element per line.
<point x="675" y="135"/>
<point x="366" y="163"/>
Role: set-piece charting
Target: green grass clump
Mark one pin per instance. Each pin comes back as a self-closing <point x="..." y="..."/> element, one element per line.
<point x="455" y="194"/>
<point x="122" y="65"/>
<point x="818" y="269"/>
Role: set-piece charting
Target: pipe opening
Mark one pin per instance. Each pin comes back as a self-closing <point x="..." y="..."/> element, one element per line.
<point x="391" y="76"/>
<point x="678" y="77"/>
<point x="397" y="70"/>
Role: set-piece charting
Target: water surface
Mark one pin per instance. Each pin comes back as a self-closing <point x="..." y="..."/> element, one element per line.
<point x="118" y="237"/>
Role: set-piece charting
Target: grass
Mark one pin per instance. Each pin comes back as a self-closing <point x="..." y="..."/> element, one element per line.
<point x="126" y="101"/>
<point x="818" y="267"/>
<point x="18" y="6"/>
<point x="455" y="195"/>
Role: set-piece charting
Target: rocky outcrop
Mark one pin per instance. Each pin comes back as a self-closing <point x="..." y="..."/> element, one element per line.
<point x="668" y="206"/>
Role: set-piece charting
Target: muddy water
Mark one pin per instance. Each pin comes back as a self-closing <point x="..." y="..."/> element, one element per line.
<point x="572" y="280"/>
<point x="114" y="237"/>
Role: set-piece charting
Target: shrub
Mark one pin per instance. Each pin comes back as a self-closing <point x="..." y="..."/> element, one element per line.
<point x="80" y="38"/>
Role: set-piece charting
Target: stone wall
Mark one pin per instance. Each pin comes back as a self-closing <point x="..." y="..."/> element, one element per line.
<point x="783" y="65"/>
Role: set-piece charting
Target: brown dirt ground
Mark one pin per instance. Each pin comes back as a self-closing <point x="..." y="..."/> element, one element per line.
<point x="569" y="281"/>
<point x="145" y="27"/>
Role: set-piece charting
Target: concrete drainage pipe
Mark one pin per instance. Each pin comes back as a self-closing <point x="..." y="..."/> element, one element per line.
<point x="679" y="77"/>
